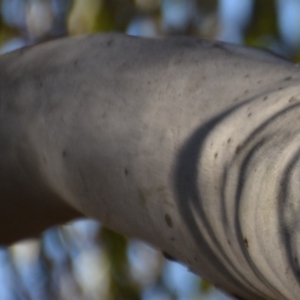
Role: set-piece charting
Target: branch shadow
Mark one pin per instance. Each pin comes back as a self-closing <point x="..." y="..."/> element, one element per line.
<point x="191" y="204"/>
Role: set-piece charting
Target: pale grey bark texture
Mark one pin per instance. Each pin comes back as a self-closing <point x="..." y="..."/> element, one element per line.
<point x="190" y="145"/>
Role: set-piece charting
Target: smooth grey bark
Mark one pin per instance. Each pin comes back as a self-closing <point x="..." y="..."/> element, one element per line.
<point x="190" y="145"/>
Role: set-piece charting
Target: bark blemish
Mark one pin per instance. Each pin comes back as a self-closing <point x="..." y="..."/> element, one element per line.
<point x="168" y="220"/>
<point x="246" y="242"/>
<point x="249" y="115"/>
<point x="109" y="43"/>
<point x="228" y="141"/>
<point x="288" y="78"/>
<point x="64" y="153"/>
<point x="265" y="98"/>
<point x="126" y="172"/>
<point x="292" y="99"/>
<point x="216" y="155"/>
<point x="237" y="149"/>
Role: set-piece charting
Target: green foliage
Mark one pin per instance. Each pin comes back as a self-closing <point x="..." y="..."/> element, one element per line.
<point x="6" y="32"/>
<point x="207" y="6"/>
<point x="121" y="286"/>
<point x="263" y="26"/>
<point x="205" y="286"/>
<point x="116" y="14"/>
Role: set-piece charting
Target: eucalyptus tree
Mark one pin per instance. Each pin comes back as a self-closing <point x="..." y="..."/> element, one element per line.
<point x="190" y="145"/>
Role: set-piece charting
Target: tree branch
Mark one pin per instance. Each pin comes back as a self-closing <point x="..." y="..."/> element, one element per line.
<point x="190" y="145"/>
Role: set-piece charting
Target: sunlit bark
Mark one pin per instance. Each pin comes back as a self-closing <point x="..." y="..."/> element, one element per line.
<point x="190" y="145"/>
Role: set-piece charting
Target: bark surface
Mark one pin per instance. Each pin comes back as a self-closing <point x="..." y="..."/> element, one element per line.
<point x="190" y="145"/>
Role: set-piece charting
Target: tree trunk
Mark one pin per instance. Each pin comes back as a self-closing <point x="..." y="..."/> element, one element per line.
<point x="190" y="145"/>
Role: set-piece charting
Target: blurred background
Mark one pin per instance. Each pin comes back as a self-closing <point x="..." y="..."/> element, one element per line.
<point x="84" y="260"/>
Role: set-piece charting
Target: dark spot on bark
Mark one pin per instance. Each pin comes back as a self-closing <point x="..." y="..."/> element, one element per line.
<point x="288" y="78"/>
<point x="195" y="259"/>
<point x="292" y="99"/>
<point x="172" y="239"/>
<point x="247" y="76"/>
<point x="296" y="260"/>
<point x="235" y="99"/>
<point x="259" y="81"/>
<point x="229" y="243"/>
<point x="168" y="220"/>
<point x="218" y="46"/>
<point x="126" y="172"/>
<point x="75" y="62"/>
<point x="168" y="256"/>
<point x="64" y="153"/>
<point x="184" y="43"/>
<point x="280" y="88"/>
<point x="228" y="141"/>
<point x="246" y="242"/>
<point x="237" y="149"/>
<point x="265" y="98"/>
<point x="216" y="154"/>
<point x="109" y="43"/>
<point x="246" y="91"/>
<point x="249" y="115"/>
